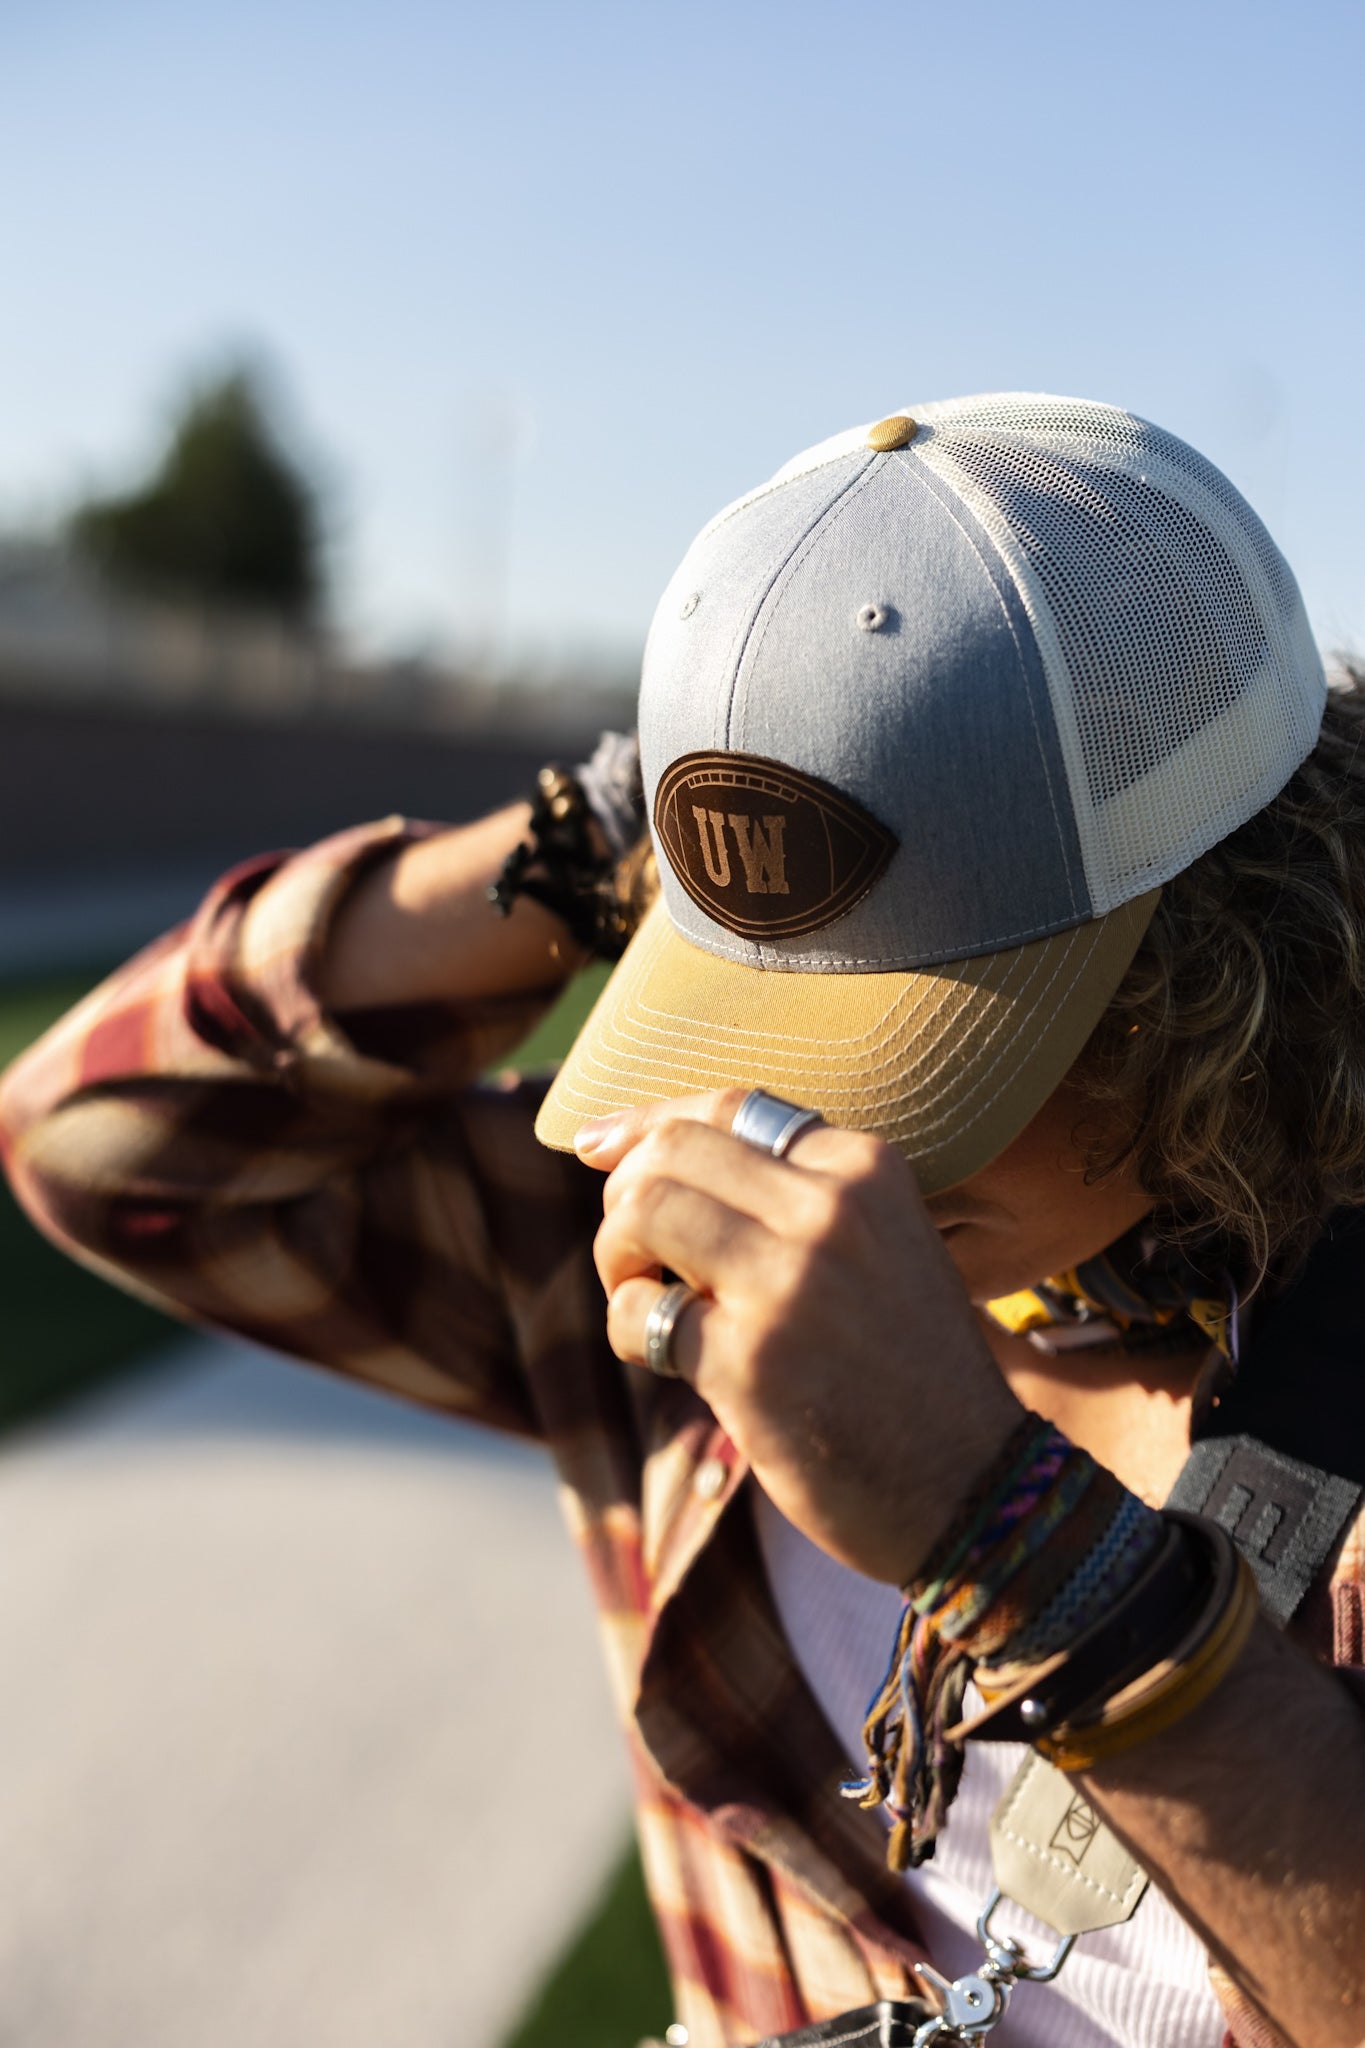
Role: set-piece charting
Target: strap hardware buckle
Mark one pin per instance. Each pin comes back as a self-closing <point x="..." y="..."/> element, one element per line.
<point x="976" y="2003"/>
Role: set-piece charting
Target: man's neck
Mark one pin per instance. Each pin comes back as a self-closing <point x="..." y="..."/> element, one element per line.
<point x="1132" y="1413"/>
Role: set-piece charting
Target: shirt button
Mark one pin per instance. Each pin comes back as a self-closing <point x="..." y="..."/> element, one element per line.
<point x="712" y="1474"/>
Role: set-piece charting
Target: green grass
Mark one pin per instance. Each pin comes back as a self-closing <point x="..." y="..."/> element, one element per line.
<point x="559" y="1027"/>
<point x="609" y="1989"/>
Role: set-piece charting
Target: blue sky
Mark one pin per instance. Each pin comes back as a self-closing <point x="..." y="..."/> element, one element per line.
<point x="545" y="285"/>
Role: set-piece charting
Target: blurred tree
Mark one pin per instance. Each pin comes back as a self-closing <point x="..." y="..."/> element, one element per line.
<point x="227" y="519"/>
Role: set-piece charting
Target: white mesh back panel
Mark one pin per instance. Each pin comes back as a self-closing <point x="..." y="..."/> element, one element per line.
<point x="1183" y="674"/>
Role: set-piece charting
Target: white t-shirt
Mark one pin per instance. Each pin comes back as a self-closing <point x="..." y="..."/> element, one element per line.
<point x="1142" y="1985"/>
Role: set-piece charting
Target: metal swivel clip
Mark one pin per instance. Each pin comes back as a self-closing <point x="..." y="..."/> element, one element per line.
<point x="976" y="2003"/>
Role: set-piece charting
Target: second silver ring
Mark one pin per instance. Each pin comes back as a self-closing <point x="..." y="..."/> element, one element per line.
<point x="660" y="1324"/>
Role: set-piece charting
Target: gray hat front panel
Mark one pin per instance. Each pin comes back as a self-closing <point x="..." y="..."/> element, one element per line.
<point x="707" y="612"/>
<point x="875" y="639"/>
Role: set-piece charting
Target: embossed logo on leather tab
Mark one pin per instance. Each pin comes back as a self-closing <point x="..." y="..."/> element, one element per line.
<point x="1076" y="1830"/>
<point x="766" y="850"/>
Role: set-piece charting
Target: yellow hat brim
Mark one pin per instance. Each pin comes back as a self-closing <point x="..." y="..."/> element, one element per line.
<point x="949" y="1064"/>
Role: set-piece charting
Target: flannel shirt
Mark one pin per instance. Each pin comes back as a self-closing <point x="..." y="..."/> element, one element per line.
<point x="344" y="1188"/>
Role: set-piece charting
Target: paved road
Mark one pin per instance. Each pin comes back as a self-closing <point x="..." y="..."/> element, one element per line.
<point x="303" y="1742"/>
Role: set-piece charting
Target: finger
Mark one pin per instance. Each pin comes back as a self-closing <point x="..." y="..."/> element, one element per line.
<point x="628" y="1311"/>
<point x="605" y="1141"/>
<point x="702" y="1239"/>
<point x="699" y="1156"/>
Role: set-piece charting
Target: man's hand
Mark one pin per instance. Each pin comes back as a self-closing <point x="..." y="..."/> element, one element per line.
<point x="836" y="1345"/>
<point x="833" y="1341"/>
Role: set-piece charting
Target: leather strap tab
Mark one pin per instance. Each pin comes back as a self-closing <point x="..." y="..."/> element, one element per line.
<point x="1055" y="1857"/>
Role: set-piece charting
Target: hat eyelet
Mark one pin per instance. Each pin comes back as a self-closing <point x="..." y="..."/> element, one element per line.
<point x="875" y="618"/>
<point x="689" y="604"/>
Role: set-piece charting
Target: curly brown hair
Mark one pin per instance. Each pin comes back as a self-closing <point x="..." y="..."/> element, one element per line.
<point x="1238" y="1034"/>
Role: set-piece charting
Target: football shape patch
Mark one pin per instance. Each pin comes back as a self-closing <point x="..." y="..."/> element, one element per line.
<point x="766" y="850"/>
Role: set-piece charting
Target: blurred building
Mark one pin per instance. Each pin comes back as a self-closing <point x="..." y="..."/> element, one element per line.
<point x="67" y="639"/>
<point x="145" y="746"/>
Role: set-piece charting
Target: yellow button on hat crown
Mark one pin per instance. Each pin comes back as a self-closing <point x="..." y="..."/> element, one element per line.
<point x="897" y="432"/>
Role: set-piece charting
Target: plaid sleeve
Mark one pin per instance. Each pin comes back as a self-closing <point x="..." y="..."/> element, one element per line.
<point x="203" y="1132"/>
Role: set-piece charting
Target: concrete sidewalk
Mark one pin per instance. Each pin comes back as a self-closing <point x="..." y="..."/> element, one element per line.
<point x="303" y="1740"/>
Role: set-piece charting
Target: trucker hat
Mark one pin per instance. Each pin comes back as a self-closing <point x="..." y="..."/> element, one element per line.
<point x="925" y="722"/>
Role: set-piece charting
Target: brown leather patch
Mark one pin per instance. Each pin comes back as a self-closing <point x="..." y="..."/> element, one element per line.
<point x="766" y="850"/>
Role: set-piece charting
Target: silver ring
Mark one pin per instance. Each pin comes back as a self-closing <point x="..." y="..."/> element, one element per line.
<point x="771" y="1125"/>
<point x="660" y="1324"/>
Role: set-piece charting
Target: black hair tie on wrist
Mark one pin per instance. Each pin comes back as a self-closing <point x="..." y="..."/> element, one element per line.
<point x="560" y="867"/>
